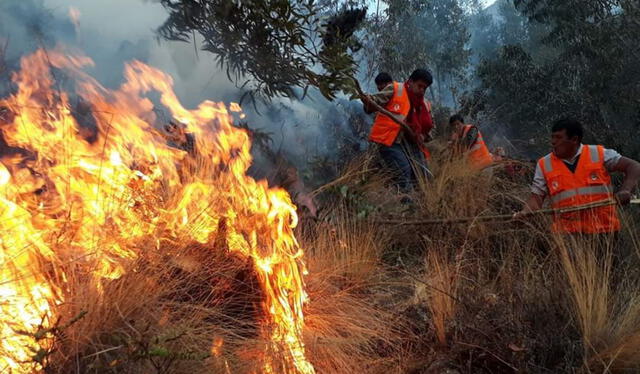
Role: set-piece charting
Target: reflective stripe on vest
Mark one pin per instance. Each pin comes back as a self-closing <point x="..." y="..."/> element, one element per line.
<point x="582" y="191"/>
<point x="548" y="167"/>
<point x="595" y="155"/>
<point x="588" y="183"/>
<point x="478" y="143"/>
<point x="593" y="152"/>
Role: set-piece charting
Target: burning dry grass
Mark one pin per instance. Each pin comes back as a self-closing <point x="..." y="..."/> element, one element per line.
<point x="473" y="298"/>
<point x="194" y="312"/>
<point x="199" y="311"/>
<point x="84" y="217"/>
<point x="145" y="257"/>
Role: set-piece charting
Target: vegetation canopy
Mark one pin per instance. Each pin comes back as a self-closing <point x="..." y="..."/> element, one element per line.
<point x="272" y="47"/>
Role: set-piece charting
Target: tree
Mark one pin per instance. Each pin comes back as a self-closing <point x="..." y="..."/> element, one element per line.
<point x="484" y="34"/>
<point x="581" y="61"/>
<point x="432" y="34"/>
<point x="272" y="47"/>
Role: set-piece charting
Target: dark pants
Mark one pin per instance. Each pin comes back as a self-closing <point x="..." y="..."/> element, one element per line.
<point x="406" y="161"/>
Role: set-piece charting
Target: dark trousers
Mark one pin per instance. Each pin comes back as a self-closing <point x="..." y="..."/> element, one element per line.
<point x="406" y="161"/>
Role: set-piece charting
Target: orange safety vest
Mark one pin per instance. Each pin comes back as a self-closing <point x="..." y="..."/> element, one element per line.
<point x="385" y="130"/>
<point x="478" y="153"/>
<point x="589" y="183"/>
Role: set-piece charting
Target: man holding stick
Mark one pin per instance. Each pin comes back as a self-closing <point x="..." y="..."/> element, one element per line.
<point x="402" y="124"/>
<point x="575" y="175"/>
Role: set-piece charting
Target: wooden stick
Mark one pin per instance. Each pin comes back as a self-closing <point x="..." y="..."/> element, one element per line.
<point x="503" y="217"/>
<point x="338" y="181"/>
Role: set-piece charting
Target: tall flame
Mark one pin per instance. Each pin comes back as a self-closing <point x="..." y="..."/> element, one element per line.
<point x="89" y="193"/>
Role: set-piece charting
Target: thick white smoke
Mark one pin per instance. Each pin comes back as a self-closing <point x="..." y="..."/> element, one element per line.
<point x="115" y="31"/>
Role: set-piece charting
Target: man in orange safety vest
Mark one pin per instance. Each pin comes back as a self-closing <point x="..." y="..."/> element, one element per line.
<point x="467" y="140"/>
<point x="404" y="156"/>
<point x="575" y="174"/>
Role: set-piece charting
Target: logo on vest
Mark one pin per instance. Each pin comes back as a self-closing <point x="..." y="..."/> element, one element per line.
<point x="396" y="107"/>
<point x="594" y="176"/>
<point x="554" y="185"/>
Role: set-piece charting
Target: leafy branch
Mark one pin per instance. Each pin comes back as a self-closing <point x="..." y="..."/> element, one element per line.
<point x="272" y="47"/>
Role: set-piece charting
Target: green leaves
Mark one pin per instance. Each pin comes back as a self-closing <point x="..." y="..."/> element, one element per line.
<point x="54" y="334"/>
<point x="432" y="34"/>
<point x="272" y="46"/>
<point x="573" y="58"/>
<point x="357" y="200"/>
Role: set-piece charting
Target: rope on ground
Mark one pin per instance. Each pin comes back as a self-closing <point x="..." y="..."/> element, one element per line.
<point x="502" y="217"/>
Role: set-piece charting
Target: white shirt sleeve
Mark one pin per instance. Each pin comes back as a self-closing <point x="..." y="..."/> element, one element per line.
<point x="539" y="185"/>
<point x="611" y="158"/>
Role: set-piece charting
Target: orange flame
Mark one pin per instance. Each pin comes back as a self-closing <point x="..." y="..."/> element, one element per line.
<point x="92" y="202"/>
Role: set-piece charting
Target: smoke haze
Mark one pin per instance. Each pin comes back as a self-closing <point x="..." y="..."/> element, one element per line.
<point x="113" y="32"/>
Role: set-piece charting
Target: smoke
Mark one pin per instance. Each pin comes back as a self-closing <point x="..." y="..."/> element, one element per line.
<point x="113" y="32"/>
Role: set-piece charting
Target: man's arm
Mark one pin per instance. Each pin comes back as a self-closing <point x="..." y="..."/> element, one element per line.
<point x="631" y="170"/>
<point x="428" y="127"/>
<point x="531" y="205"/>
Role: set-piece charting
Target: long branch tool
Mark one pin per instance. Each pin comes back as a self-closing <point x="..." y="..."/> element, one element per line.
<point x="504" y="217"/>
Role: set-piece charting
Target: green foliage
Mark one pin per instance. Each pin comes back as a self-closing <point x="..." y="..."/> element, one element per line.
<point x="50" y="336"/>
<point x="425" y="34"/>
<point x="567" y="58"/>
<point x="146" y="348"/>
<point x="272" y="47"/>
<point x="354" y="198"/>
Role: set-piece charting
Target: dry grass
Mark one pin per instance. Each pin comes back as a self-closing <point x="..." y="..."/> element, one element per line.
<point x="164" y="316"/>
<point x="476" y="298"/>
<point x="588" y="275"/>
<point x="605" y="300"/>
<point x="507" y="297"/>
<point x="351" y="324"/>
<point x="187" y="308"/>
<point x="347" y="248"/>
<point x="439" y="291"/>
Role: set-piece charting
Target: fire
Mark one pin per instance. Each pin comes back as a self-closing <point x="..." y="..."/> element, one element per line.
<point x="89" y="194"/>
